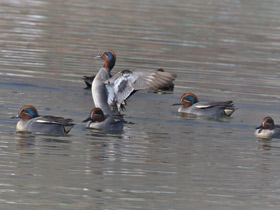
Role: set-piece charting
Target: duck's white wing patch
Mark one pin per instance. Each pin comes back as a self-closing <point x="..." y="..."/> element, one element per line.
<point x="125" y="82"/>
<point x="220" y="104"/>
<point x="43" y="121"/>
<point x="203" y="105"/>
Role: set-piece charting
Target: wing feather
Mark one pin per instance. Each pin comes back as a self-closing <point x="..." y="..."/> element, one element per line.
<point x="47" y="119"/>
<point x="126" y="82"/>
<point x="222" y="104"/>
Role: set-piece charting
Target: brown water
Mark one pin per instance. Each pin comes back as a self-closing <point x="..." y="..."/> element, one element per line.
<point x="219" y="49"/>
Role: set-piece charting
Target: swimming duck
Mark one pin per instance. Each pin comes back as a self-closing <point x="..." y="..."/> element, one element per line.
<point x="98" y="120"/>
<point x="190" y="104"/>
<point x="110" y="92"/>
<point x="31" y="121"/>
<point x="88" y="80"/>
<point x="165" y="87"/>
<point x="268" y="129"/>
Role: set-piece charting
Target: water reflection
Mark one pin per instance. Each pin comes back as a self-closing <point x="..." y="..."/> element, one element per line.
<point x="25" y="139"/>
<point x="268" y="144"/>
<point x="265" y="144"/>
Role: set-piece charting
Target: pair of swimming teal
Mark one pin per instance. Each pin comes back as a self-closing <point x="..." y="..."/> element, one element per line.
<point x="31" y="121"/>
<point x="109" y="95"/>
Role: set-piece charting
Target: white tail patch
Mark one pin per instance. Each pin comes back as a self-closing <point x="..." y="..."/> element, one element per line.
<point x="228" y="112"/>
<point x="67" y="128"/>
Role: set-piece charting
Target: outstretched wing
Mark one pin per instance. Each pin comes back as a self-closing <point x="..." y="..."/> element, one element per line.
<point x="126" y="82"/>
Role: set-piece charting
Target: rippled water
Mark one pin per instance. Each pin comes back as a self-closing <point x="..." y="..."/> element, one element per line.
<point x="219" y="49"/>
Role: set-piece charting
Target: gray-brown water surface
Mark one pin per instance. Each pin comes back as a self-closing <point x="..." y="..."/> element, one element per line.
<point x="219" y="49"/>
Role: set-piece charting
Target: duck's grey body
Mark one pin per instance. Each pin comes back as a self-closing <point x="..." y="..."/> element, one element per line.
<point x="45" y="124"/>
<point x="31" y="121"/>
<point x="98" y="120"/>
<point x="111" y="123"/>
<point x="210" y="109"/>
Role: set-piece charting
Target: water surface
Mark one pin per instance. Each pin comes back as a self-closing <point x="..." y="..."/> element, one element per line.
<point x="219" y="49"/>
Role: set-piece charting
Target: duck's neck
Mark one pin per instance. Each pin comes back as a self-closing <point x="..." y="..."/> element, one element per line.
<point x="103" y="74"/>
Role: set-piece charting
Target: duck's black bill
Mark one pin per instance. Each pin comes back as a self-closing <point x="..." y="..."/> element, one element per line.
<point x="86" y="120"/>
<point x="176" y="104"/>
<point x="96" y="56"/>
<point x="259" y="127"/>
<point x="14" y="117"/>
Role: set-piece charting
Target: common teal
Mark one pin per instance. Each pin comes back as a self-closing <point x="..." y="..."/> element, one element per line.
<point x="110" y="93"/>
<point x="88" y="80"/>
<point x="110" y="58"/>
<point x="31" y="121"/>
<point x="268" y="129"/>
<point x="98" y="120"/>
<point x="190" y="104"/>
<point x="166" y="87"/>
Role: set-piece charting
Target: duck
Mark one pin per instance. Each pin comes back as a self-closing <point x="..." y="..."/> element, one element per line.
<point x="88" y="81"/>
<point x="111" y="92"/>
<point x="213" y="109"/>
<point x="31" y="121"/>
<point x="167" y="87"/>
<point x="97" y="120"/>
<point x="110" y="57"/>
<point x="268" y="129"/>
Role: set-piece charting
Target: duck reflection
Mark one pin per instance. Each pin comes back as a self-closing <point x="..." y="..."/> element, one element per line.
<point x="265" y="144"/>
<point x="25" y="139"/>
